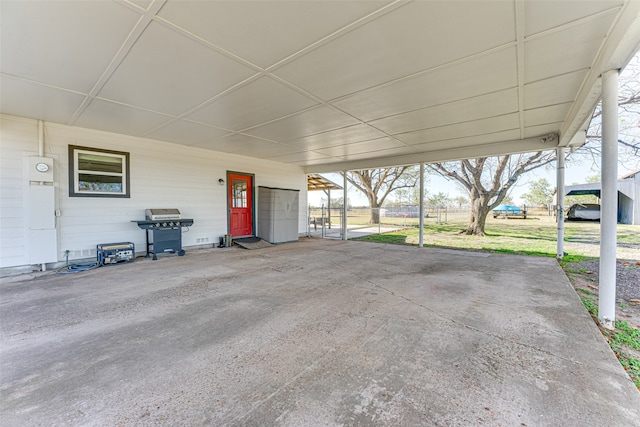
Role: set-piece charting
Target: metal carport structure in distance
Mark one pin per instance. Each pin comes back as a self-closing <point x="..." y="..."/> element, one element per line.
<point x="628" y="188"/>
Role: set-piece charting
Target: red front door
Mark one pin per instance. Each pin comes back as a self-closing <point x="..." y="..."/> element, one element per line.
<point x="240" y="204"/>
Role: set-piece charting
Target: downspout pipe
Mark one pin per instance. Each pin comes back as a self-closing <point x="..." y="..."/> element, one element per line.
<point x="43" y="266"/>
<point x="40" y="138"/>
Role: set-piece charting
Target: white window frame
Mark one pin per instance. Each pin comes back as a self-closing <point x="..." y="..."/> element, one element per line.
<point x="74" y="172"/>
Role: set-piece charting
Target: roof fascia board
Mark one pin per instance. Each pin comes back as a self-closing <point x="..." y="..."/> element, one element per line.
<point x="542" y="143"/>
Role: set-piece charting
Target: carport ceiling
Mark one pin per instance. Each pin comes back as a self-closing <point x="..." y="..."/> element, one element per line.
<point x="327" y="85"/>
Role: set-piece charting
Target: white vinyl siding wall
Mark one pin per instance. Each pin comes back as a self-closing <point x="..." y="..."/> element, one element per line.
<point x="163" y="175"/>
<point x="16" y="142"/>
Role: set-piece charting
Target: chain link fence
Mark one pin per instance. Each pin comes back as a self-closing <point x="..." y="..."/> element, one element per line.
<point x="326" y="222"/>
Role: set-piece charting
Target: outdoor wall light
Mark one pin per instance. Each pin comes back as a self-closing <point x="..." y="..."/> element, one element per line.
<point x="221" y="181"/>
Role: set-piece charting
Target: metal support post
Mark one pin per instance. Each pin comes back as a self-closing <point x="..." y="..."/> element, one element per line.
<point x="344" y="206"/>
<point x="560" y="201"/>
<point x="421" y="214"/>
<point x="329" y="206"/>
<point x="608" y="200"/>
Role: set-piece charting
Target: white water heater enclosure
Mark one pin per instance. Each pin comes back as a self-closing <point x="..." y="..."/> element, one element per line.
<point x="278" y="210"/>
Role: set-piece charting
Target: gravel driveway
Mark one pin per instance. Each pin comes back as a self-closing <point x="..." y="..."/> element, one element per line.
<point x="585" y="275"/>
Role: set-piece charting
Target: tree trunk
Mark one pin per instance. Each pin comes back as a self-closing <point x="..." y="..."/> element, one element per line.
<point x="375" y="215"/>
<point x="478" y="218"/>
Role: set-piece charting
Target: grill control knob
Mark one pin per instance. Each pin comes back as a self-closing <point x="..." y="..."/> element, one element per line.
<point x="171" y="224"/>
<point x="164" y="224"/>
<point x="157" y="224"/>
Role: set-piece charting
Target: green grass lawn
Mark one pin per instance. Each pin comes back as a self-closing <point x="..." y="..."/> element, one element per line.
<point x="531" y="236"/>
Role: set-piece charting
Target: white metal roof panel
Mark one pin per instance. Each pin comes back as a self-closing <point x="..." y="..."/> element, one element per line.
<point x="313" y="83"/>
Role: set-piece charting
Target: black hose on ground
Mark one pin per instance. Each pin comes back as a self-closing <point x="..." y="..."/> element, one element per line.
<point x="76" y="268"/>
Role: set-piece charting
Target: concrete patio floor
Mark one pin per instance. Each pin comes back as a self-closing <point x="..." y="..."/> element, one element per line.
<point x="319" y="332"/>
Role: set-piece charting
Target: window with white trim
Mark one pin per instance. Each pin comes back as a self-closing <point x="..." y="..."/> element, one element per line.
<point x="98" y="173"/>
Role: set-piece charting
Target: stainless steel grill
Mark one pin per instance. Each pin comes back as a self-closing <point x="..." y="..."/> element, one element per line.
<point x="160" y="214"/>
<point x="164" y="231"/>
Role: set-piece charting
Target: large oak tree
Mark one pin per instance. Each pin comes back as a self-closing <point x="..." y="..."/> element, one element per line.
<point x="488" y="180"/>
<point x="377" y="184"/>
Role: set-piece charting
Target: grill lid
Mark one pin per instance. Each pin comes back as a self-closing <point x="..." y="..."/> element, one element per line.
<point x="158" y="214"/>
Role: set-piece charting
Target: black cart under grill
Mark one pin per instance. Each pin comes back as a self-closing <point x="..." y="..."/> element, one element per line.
<point x="164" y="231"/>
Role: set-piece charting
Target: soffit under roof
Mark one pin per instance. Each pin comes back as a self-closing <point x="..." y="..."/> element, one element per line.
<point x="322" y="84"/>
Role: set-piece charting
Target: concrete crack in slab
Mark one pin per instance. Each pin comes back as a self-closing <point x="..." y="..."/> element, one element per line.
<point x="456" y="322"/>
<point x="293" y="379"/>
<point x="309" y="368"/>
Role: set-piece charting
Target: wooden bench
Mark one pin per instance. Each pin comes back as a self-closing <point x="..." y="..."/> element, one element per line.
<point x="317" y="220"/>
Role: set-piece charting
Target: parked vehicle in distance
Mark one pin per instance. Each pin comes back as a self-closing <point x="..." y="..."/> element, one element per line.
<point x="507" y="211"/>
<point x="584" y="212"/>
